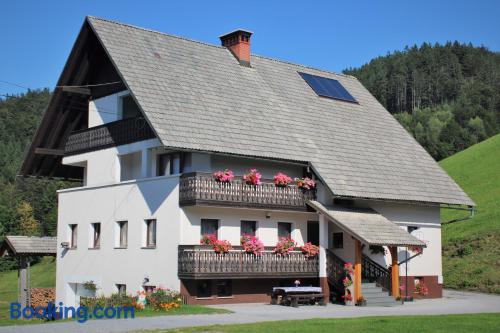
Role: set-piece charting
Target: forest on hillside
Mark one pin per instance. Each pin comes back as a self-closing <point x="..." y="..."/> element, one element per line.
<point x="27" y="205"/>
<point x="446" y="96"/>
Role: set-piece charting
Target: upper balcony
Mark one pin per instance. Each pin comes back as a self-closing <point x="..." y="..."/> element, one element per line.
<point x="111" y="134"/>
<point x="202" y="189"/>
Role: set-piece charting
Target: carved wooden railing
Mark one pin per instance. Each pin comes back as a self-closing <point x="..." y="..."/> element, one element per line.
<point x="202" y="188"/>
<point x="201" y="262"/>
<point x="108" y="135"/>
<point x="335" y="272"/>
<point x="374" y="272"/>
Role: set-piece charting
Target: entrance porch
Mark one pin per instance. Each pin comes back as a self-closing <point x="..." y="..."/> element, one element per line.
<point x="363" y="228"/>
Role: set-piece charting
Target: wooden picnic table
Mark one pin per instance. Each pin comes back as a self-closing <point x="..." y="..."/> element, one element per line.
<point x="294" y="295"/>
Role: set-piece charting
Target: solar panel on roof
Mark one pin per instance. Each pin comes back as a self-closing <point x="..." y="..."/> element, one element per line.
<point x="326" y="87"/>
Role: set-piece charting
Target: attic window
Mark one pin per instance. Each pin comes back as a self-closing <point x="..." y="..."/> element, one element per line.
<point x="326" y="87"/>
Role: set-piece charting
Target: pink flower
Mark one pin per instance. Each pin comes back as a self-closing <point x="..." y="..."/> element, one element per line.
<point x="224" y="176"/>
<point x="253" y="177"/>
<point x="280" y="179"/>
<point x="310" y="250"/>
<point x="284" y="246"/>
<point x="305" y="183"/>
<point x="222" y="246"/>
<point x="208" y="239"/>
<point x="252" y="244"/>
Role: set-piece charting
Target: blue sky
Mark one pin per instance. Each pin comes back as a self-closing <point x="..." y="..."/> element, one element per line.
<point x="37" y="36"/>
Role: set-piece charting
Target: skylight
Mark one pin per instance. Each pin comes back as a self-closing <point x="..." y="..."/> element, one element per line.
<point x="326" y="87"/>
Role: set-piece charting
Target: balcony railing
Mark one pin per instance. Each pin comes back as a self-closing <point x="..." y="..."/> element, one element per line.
<point x="201" y="262"/>
<point x="202" y="189"/>
<point x="108" y="135"/>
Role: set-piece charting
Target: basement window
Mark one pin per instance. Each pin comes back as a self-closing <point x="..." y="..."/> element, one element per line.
<point x="204" y="289"/>
<point x="224" y="288"/>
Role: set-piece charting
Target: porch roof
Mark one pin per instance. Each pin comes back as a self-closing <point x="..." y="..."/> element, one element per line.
<point x="367" y="225"/>
<point x="28" y="245"/>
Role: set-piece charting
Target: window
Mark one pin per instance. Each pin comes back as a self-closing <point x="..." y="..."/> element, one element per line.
<point x="338" y="240"/>
<point x="96" y="235"/>
<point x="122" y="233"/>
<point x="224" y="288"/>
<point x="129" y="107"/>
<point x="412" y="229"/>
<point x="204" y="289"/>
<point x="248" y="228"/>
<point x="121" y="288"/>
<point x="327" y="87"/>
<point x="73" y="235"/>
<point x="209" y="227"/>
<point x="130" y="166"/>
<point x="169" y="164"/>
<point x="313" y="232"/>
<point x="284" y="229"/>
<point x="150" y="233"/>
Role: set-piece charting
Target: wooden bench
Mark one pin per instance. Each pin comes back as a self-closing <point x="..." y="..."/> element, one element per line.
<point x="294" y="300"/>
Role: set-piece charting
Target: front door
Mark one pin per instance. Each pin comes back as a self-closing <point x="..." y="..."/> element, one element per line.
<point x="313" y="232"/>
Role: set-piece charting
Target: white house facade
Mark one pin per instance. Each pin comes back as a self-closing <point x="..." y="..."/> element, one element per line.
<point x="145" y="139"/>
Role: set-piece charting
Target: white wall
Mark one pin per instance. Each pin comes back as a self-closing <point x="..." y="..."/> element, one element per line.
<point x="427" y="218"/>
<point x="133" y="201"/>
<point x="230" y="222"/>
<point x="103" y="166"/>
<point x="105" y="109"/>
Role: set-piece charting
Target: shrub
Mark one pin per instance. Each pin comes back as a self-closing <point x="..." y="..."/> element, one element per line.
<point x="164" y="299"/>
<point x="114" y="300"/>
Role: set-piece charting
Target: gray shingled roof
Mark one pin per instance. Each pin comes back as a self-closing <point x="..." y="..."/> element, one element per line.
<point x="368" y="226"/>
<point x="197" y="96"/>
<point x="26" y="245"/>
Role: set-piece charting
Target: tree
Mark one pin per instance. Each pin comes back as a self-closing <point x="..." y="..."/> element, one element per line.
<point x="28" y="225"/>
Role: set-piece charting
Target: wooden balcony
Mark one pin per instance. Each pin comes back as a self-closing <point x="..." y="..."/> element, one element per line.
<point x="202" y="189"/>
<point x="201" y="262"/>
<point x="112" y="134"/>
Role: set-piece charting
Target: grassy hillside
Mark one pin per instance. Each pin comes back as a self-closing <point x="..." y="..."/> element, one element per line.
<point x="43" y="275"/>
<point x="470" y="248"/>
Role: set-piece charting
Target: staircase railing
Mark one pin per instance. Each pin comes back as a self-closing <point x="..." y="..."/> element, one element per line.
<point x="374" y="272"/>
<point x="335" y="273"/>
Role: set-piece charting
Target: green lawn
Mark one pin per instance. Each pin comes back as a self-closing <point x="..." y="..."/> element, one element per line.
<point x="483" y="323"/>
<point x="471" y="255"/>
<point x="43" y="275"/>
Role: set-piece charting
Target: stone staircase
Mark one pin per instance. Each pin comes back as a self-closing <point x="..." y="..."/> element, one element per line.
<point x="375" y="296"/>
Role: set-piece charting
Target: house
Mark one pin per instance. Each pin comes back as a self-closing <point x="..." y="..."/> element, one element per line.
<point x="144" y="119"/>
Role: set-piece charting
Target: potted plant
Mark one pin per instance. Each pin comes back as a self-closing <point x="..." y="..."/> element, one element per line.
<point x="305" y="183"/>
<point x="208" y="239"/>
<point x="253" y="177"/>
<point x="347" y="282"/>
<point x="282" y="180"/>
<point x="309" y="250"/>
<point x="421" y="288"/>
<point x="225" y="176"/>
<point x="284" y="246"/>
<point x="252" y="245"/>
<point x="222" y="246"/>
<point x="348" y="268"/>
<point x="361" y="301"/>
<point x="347" y="297"/>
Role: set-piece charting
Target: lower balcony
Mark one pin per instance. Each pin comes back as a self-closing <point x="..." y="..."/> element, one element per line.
<point x="202" y="189"/>
<point x="201" y="262"/>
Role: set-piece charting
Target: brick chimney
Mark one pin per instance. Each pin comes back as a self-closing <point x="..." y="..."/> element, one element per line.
<point x="238" y="42"/>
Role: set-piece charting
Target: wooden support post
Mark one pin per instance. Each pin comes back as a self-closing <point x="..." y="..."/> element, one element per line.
<point x="323" y="246"/>
<point x="357" y="271"/>
<point x="394" y="271"/>
<point x="22" y="297"/>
